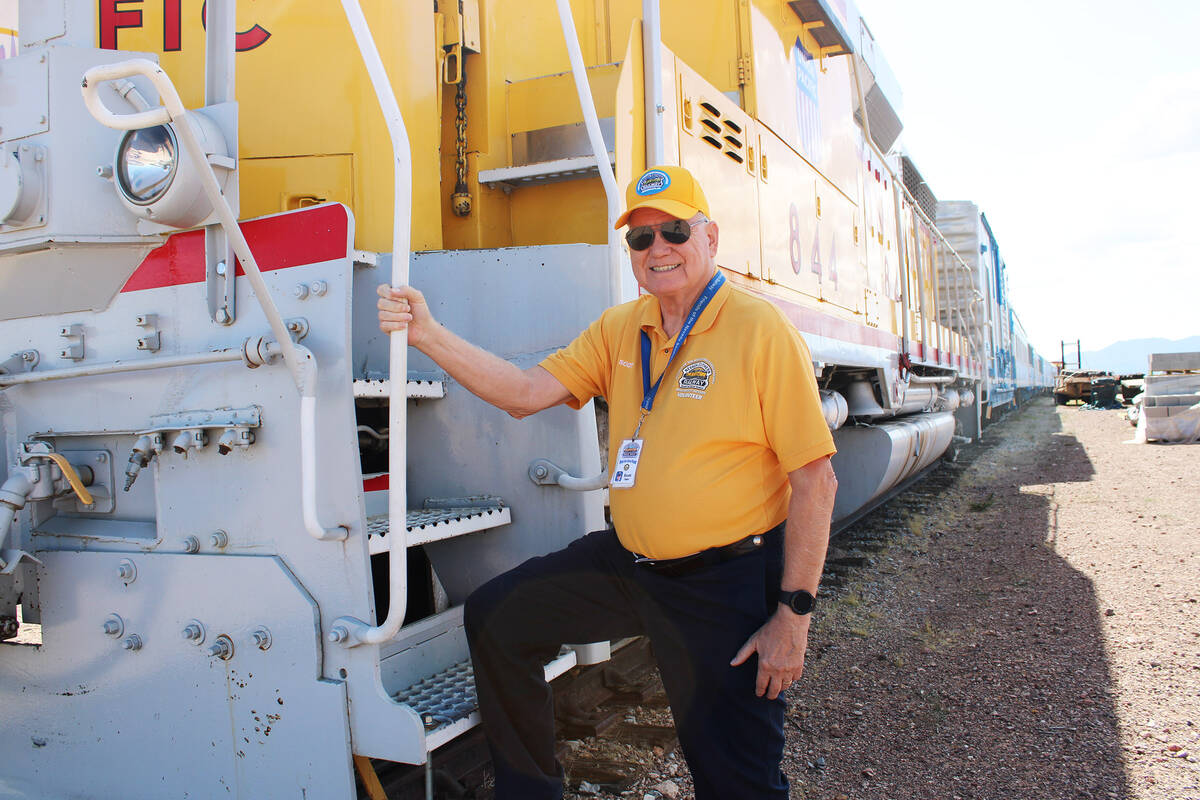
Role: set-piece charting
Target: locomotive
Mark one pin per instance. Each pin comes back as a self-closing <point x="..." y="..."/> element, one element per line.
<point x="237" y="522"/>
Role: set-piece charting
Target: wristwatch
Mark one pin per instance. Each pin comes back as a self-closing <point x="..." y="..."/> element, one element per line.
<point x="799" y="601"/>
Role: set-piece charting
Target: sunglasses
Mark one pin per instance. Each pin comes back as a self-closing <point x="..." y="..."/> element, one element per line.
<point x="677" y="231"/>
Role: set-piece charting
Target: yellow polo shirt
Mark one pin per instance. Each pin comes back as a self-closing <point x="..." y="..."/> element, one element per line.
<point x="737" y="412"/>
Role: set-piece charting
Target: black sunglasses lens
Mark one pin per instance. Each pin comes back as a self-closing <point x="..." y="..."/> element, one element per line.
<point x="640" y="238"/>
<point x="677" y="231"/>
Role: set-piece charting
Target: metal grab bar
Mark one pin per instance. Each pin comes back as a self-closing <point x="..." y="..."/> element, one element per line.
<point x="350" y="631"/>
<point x="544" y="472"/>
<point x="300" y="362"/>
<point x="611" y="193"/>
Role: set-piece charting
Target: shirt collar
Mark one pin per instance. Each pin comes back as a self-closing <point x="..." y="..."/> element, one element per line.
<point x="650" y="319"/>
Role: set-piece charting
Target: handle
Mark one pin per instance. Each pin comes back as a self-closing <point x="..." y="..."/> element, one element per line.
<point x="171" y="108"/>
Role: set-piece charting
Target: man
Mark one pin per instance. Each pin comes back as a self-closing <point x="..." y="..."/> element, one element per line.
<point x="717" y="438"/>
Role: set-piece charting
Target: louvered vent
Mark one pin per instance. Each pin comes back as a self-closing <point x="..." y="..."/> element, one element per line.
<point x="722" y="133"/>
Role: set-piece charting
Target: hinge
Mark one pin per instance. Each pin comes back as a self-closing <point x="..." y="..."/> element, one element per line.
<point x="744" y="64"/>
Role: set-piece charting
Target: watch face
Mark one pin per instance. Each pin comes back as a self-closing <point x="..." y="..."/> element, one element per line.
<point x="801" y="601"/>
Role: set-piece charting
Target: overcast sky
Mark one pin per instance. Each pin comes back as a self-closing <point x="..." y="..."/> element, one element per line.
<point x="1075" y="126"/>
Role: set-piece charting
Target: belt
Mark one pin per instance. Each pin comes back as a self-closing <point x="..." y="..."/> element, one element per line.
<point x="686" y="565"/>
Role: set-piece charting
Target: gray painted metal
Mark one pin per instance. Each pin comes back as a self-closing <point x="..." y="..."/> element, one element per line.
<point x="871" y="459"/>
<point x="198" y="724"/>
<point x="522" y="303"/>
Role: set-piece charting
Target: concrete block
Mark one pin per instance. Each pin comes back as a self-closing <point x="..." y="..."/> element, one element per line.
<point x="1172" y="384"/>
<point x="1156" y="412"/>
<point x="1161" y="362"/>
<point x="1171" y="400"/>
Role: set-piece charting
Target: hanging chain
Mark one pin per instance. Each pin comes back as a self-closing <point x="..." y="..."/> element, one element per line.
<point x="460" y="201"/>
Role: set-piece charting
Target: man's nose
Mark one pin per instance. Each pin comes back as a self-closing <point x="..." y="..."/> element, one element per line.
<point x="660" y="246"/>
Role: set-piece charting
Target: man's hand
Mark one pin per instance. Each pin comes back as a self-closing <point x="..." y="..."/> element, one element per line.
<point x="402" y="308"/>
<point x="780" y="645"/>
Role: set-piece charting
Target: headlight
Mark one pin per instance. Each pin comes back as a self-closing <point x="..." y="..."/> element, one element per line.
<point x="146" y="163"/>
<point x="157" y="178"/>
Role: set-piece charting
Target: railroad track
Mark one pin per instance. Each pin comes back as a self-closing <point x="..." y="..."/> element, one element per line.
<point x="613" y="718"/>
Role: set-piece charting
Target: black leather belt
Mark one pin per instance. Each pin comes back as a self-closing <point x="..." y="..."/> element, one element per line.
<point x="678" y="567"/>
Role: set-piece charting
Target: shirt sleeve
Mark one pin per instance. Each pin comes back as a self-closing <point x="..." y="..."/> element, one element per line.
<point x="791" y="405"/>
<point x="584" y="366"/>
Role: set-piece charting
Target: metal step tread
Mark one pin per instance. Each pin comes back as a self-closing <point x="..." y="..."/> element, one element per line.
<point x="434" y="524"/>
<point x="446" y="701"/>
<point x="418" y="389"/>
<point x="560" y="169"/>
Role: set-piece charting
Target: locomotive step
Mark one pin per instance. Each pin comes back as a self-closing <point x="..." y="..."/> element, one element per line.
<point x="434" y="524"/>
<point x="418" y="389"/>
<point x="446" y="702"/>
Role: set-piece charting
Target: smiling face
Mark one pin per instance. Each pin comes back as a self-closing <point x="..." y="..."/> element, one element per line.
<point x="674" y="273"/>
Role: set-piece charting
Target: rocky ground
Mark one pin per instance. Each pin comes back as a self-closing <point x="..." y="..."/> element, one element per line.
<point x="1028" y="628"/>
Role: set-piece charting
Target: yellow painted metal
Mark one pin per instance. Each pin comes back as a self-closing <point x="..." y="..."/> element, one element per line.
<point x="271" y="185"/>
<point x="715" y="148"/>
<point x="551" y="100"/>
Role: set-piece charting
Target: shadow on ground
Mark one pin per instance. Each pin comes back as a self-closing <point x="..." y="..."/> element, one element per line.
<point x="968" y="661"/>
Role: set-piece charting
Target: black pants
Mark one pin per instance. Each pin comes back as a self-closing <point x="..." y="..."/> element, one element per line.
<point x="592" y="591"/>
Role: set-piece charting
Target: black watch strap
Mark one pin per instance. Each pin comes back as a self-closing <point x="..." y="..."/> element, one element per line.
<point x="800" y="601"/>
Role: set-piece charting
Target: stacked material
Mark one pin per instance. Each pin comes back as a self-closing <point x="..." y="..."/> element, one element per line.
<point x="1171" y="400"/>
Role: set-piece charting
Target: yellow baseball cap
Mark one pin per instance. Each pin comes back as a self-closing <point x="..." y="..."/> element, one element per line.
<point x="669" y="189"/>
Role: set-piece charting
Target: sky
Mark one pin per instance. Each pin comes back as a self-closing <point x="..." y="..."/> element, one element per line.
<point x="1075" y="126"/>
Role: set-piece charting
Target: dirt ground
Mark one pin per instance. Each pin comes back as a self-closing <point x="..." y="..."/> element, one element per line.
<point x="1029" y="631"/>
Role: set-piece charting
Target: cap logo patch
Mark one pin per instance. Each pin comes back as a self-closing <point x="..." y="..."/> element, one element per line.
<point x="694" y="379"/>
<point x="653" y="182"/>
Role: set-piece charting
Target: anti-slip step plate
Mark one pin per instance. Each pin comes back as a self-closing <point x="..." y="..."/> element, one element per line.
<point x="434" y="524"/>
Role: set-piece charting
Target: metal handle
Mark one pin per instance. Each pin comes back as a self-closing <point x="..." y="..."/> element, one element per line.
<point x="544" y="472"/>
<point x="171" y="107"/>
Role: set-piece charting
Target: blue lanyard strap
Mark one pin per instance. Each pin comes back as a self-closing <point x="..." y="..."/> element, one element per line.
<point x="648" y="391"/>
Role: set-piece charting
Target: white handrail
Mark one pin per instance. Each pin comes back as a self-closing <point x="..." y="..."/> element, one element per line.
<point x="652" y="80"/>
<point x="592" y="124"/>
<point x="349" y="631"/>
<point x="302" y="365"/>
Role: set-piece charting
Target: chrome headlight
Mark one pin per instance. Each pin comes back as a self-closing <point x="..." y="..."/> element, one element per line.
<point x="147" y="160"/>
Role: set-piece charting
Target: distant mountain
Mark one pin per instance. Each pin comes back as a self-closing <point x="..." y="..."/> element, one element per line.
<point x="1133" y="355"/>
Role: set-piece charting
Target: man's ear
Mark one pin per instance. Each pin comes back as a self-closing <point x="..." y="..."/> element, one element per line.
<point x="714" y="235"/>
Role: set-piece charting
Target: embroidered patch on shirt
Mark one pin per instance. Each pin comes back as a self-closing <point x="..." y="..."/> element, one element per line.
<point x="625" y="363"/>
<point x="694" y="379"/>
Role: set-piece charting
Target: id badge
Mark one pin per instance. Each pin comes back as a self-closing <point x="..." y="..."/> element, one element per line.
<point x="628" y="455"/>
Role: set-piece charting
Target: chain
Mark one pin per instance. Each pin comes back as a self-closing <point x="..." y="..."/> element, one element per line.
<point x="460" y="201"/>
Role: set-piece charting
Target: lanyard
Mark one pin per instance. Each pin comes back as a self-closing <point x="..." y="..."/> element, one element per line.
<point x="648" y="391"/>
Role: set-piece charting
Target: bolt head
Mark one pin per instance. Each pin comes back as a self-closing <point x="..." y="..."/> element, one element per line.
<point x="338" y="635"/>
<point x="112" y="627"/>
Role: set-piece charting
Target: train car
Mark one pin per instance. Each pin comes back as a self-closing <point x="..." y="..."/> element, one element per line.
<point x="237" y="523"/>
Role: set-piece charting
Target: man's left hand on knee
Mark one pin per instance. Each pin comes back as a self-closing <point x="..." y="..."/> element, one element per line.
<point x="780" y="645"/>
